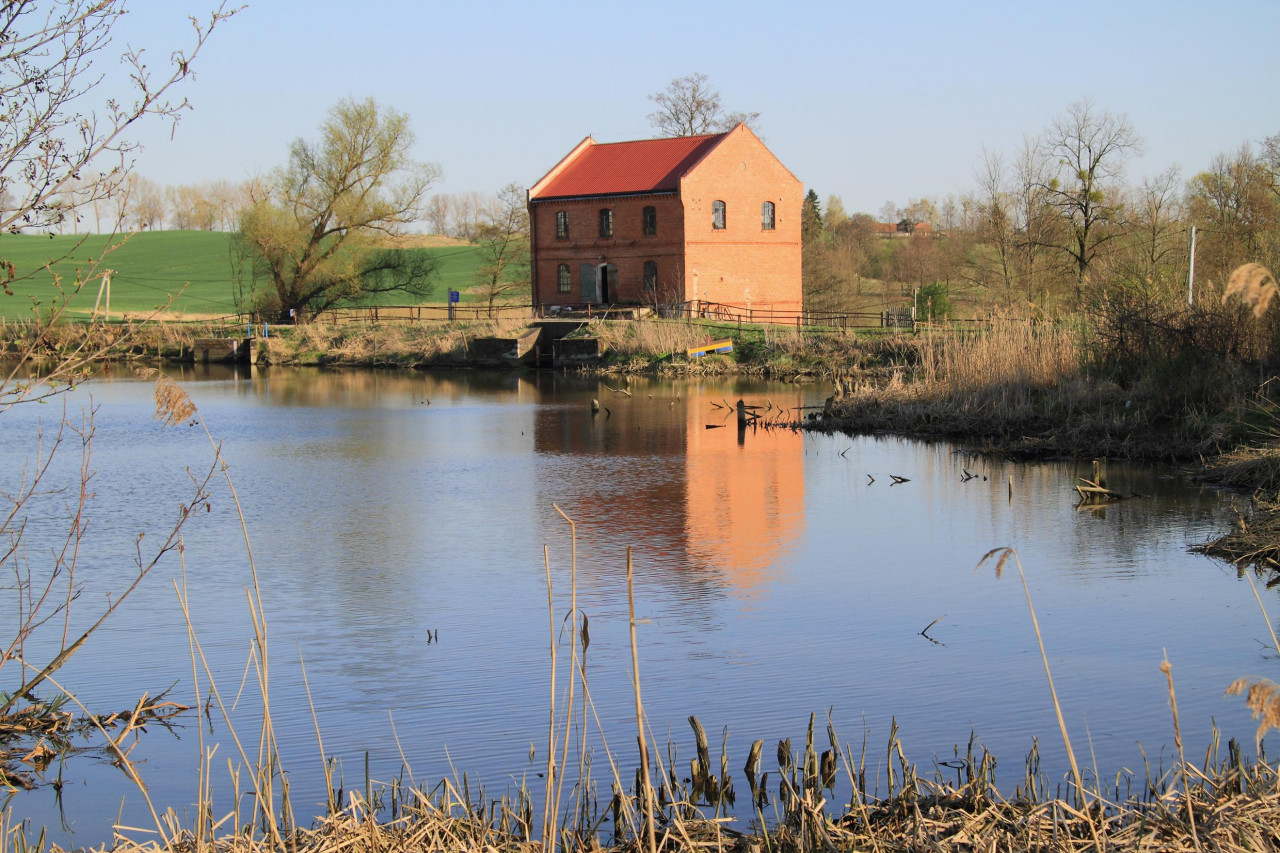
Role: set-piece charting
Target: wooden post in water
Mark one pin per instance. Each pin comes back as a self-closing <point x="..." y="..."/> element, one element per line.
<point x="1100" y="472"/>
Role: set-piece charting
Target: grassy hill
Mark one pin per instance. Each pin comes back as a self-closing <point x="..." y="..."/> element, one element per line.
<point x="194" y="266"/>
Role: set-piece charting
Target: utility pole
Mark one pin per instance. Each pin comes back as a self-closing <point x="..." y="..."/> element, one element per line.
<point x="1191" y="269"/>
<point x="105" y="286"/>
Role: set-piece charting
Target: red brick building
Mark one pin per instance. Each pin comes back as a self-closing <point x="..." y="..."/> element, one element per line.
<point x="693" y="219"/>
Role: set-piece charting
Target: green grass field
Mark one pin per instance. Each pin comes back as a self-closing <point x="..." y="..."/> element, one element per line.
<point x="194" y="267"/>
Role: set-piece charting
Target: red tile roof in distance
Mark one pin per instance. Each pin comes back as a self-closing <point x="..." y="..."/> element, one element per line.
<point x="615" y="168"/>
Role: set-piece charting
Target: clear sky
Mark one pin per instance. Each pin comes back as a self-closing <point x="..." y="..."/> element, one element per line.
<point x="873" y="102"/>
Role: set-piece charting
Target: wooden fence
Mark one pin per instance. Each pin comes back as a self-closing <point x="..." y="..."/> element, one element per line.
<point x="894" y="318"/>
<point x="725" y="315"/>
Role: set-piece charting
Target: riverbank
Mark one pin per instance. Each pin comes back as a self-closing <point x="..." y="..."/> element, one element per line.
<point x="1017" y="387"/>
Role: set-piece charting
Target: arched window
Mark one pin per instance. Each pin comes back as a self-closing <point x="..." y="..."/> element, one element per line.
<point x="562" y="279"/>
<point x="650" y="276"/>
<point x="649" y="221"/>
<point x="562" y="225"/>
<point x="606" y="222"/>
<point x="717" y="215"/>
<point x="766" y="216"/>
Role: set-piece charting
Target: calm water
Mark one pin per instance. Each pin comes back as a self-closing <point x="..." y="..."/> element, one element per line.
<point x="777" y="579"/>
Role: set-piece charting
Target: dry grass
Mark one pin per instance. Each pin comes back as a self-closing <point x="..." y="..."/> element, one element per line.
<point x="384" y="345"/>
<point x="1004" y="366"/>
<point x="1234" y="805"/>
<point x="649" y="338"/>
<point x="1020" y="386"/>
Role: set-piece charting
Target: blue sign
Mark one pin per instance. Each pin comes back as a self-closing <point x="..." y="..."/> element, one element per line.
<point x="454" y="296"/>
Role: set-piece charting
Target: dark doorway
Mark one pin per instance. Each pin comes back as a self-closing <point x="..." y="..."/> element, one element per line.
<point x="608" y="282"/>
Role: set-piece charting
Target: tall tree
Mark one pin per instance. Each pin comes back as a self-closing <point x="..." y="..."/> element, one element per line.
<point x="1158" y="227"/>
<point x="689" y="106"/>
<point x="1237" y="212"/>
<point x="1091" y="147"/>
<point x="836" y="215"/>
<point x="312" y="231"/>
<point x="502" y="243"/>
<point x="1038" y="227"/>
<point x="995" y="227"/>
<point x="144" y="202"/>
<point x="811" y="217"/>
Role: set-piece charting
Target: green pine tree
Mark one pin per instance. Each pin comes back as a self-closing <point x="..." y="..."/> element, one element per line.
<point x="811" y="217"/>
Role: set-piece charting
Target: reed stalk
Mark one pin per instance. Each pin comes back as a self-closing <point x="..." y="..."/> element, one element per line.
<point x="646" y="787"/>
<point x="1001" y="556"/>
<point x="548" y="837"/>
<point x="1167" y="669"/>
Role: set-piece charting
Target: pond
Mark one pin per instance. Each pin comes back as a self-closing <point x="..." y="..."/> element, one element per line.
<point x="398" y="523"/>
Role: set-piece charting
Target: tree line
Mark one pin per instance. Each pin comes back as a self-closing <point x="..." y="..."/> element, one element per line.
<point x="1055" y="224"/>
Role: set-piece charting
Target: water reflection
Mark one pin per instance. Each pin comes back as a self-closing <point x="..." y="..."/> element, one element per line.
<point x="661" y="465"/>
<point x="779" y="576"/>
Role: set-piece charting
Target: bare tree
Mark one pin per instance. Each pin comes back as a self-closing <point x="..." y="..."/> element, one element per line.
<point x="466" y="211"/>
<point x="1039" y="227"/>
<point x="503" y="245"/>
<point x="996" y="225"/>
<point x="57" y="121"/>
<point x="145" y="202"/>
<point x="1271" y="157"/>
<point x="1091" y="147"/>
<point x="689" y="106"/>
<point x="437" y="213"/>
<point x="63" y="146"/>
<point x="1158" y="225"/>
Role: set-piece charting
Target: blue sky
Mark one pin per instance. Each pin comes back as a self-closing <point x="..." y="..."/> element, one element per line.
<point x="872" y="102"/>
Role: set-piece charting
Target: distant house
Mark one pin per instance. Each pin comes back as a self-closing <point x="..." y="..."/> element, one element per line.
<point x="684" y="220"/>
<point x="904" y="228"/>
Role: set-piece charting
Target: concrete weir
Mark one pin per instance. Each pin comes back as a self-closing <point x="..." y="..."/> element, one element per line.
<point x="225" y="350"/>
<point x="544" y="344"/>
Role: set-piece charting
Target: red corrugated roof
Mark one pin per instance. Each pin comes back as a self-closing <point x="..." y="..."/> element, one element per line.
<point x="647" y="165"/>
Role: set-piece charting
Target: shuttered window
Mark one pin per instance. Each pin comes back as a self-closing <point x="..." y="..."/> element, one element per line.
<point x="650" y="276"/>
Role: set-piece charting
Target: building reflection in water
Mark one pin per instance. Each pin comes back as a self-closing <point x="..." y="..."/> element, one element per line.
<point x="664" y="467"/>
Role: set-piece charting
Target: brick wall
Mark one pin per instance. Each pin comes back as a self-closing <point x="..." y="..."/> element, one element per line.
<point x="628" y="249"/>
<point x="743" y="264"/>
